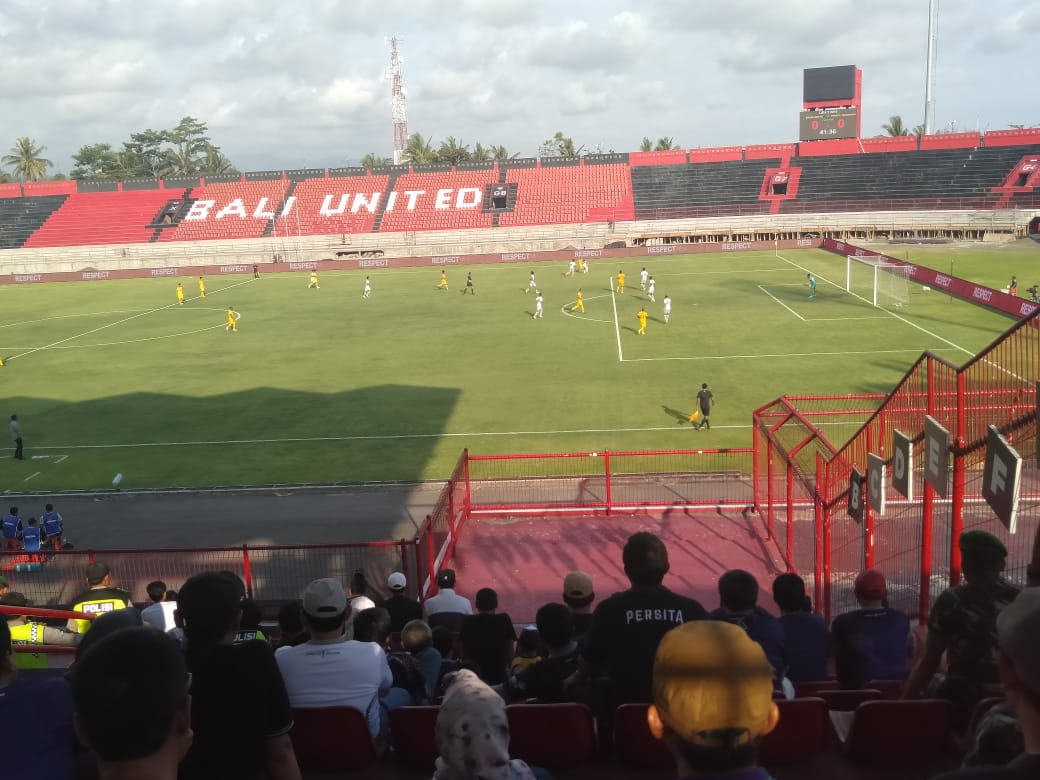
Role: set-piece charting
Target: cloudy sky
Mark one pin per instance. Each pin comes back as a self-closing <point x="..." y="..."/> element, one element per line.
<point x="287" y="84"/>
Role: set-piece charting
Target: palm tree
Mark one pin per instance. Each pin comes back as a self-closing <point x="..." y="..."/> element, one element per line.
<point x="664" y="144"/>
<point x="646" y="145"/>
<point x="499" y="153"/>
<point x="895" y="126"/>
<point x="216" y="163"/>
<point x="179" y="161"/>
<point x="373" y="160"/>
<point x="480" y="153"/>
<point x="419" y="150"/>
<point x="25" y="161"/>
<point x="452" y="151"/>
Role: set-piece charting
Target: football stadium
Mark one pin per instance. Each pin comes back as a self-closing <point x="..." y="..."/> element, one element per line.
<point x="368" y="427"/>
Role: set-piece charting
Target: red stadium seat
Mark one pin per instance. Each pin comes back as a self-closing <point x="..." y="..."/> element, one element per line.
<point x="413" y="735"/>
<point x="329" y="739"/>
<point x="890" y="689"/>
<point x="806" y="689"/>
<point x="846" y="701"/>
<point x="634" y="744"/>
<point x="554" y="736"/>
<point x="800" y="735"/>
<point x="985" y="705"/>
<point x="895" y="733"/>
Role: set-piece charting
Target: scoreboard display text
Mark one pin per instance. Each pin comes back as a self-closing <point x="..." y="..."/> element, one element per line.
<point x="823" y="125"/>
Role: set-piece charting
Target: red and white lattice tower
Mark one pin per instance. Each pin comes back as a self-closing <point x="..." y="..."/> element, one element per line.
<point x="398" y="115"/>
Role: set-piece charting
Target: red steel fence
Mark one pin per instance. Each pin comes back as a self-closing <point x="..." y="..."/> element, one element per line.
<point x="802" y="478"/>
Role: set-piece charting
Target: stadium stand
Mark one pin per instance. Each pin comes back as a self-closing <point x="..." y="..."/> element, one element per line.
<point x="103" y="218"/>
<point x="450" y="200"/>
<point x="335" y="205"/>
<point x="21" y="217"/>
<point x="238" y="210"/>
<point x="679" y="191"/>
<point x="566" y="194"/>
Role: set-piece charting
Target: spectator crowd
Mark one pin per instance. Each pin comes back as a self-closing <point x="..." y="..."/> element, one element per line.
<point x="191" y="686"/>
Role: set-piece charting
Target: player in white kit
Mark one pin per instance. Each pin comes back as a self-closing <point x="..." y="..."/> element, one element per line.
<point x="538" y="313"/>
<point x="570" y="268"/>
<point x="667" y="309"/>
<point x="642" y="279"/>
<point x="368" y="288"/>
<point x="650" y="289"/>
<point x="531" y="285"/>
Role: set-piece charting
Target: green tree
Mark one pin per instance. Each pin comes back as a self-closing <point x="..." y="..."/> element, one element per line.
<point x="419" y="150"/>
<point x="215" y="163"/>
<point x="895" y="127"/>
<point x="480" y="153"/>
<point x="664" y="144"/>
<point x="94" y="161"/>
<point x="373" y="160"/>
<point x="25" y="161"/>
<point x="559" y="145"/>
<point x="453" y="151"/>
<point x="145" y="154"/>
<point x="498" y="153"/>
<point x="646" y="145"/>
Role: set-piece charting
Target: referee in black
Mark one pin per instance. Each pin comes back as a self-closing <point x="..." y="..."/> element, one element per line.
<point x="16" y="434"/>
<point x="706" y="401"/>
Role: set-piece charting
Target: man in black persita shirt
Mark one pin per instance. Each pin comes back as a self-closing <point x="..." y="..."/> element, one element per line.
<point x="239" y="706"/>
<point x="627" y="627"/>
<point x="487" y="638"/>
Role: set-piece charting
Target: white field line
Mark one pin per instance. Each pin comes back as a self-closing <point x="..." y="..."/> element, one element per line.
<point x="617" y="325"/>
<point x="71" y="316"/>
<point x="566" y="311"/>
<point x="890" y="313"/>
<point x="238" y="316"/>
<point x="786" y="355"/>
<point x="796" y="314"/>
<point x="118" y="322"/>
<point x="32" y="476"/>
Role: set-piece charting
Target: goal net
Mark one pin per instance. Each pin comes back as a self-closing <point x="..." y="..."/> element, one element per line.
<point x="879" y="282"/>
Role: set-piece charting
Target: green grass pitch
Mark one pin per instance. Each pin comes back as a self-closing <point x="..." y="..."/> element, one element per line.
<point x="323" y="386"/>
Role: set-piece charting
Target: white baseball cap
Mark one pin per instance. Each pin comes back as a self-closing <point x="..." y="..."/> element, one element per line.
<point x="396" y="581"/>
<point x="324" y="598"/>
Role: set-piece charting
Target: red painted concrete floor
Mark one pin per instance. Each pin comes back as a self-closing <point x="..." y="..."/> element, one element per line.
<point x="525" y="559"/>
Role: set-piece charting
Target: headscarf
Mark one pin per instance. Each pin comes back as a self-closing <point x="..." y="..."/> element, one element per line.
<point x="473" y="734"/>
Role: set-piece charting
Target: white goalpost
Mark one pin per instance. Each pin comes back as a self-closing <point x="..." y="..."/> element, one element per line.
<point x="879" y="282"/>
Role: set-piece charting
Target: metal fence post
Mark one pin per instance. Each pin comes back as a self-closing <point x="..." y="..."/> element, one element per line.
<point x="606" y="469"/>
<point x="957" y="508"/>
<point x="465" y="468"/>
<point x="247" y="570"/>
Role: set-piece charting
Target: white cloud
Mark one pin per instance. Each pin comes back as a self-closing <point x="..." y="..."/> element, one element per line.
<point x="286" y="84"/>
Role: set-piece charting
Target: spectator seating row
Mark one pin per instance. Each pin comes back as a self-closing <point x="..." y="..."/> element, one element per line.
<point x="314" y="195"/>
<point x="563" y="737"/>
<point x="21" y="217"/>
<point x="565" y="194"/>
<point x="237" y="212"/>
<point x="103" y="218"/>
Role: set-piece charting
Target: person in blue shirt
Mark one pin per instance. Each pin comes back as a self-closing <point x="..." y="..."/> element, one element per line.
<point x="32" y="537"/>
<point x="872" y="642"/>
<point x="11" y="530"/>
<point x="738" y="592"/>
<point x="53" y="527"/>
<point x="805" y="633"/>
<point x="812" y="285"/>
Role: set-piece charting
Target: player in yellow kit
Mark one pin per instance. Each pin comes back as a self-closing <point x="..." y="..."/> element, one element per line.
<point x="444" y="281"/>
<point x="314" y="281"/>
<point x="642" y="322"/>
<point x="180" y="293"/>
<point x="202" y="287"/>
<point x="232" y="322"/>
<point x="580" y="305"/>
<point x="621" y="282"/>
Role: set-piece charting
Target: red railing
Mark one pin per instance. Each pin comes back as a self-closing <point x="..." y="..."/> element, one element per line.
<point x="914" y="541"/>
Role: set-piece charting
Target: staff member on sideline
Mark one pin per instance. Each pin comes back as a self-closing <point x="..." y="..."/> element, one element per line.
<point x="100" y="598"/>
<point x="16" y="434"/>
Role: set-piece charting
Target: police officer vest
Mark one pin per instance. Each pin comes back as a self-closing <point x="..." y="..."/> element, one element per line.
<point x="248" y="635"/>
<point x="28" y="634"/>
<point x="96" y="607"/>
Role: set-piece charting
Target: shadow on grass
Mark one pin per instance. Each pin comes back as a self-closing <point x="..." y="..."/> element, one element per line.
<point x="680" y="417"/>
